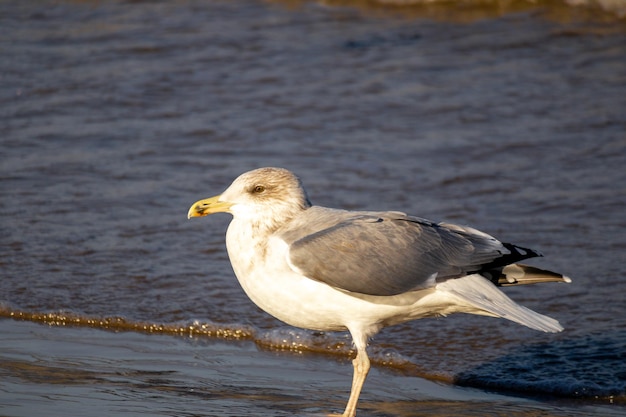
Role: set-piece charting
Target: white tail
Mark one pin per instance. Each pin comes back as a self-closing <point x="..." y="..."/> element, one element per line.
<point x="480" y="293"/>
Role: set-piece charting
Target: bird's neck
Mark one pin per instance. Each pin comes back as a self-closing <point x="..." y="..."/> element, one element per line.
<point x="245" y="242"/>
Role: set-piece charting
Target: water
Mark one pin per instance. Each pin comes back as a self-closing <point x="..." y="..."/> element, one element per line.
<point x="116" y="116"/>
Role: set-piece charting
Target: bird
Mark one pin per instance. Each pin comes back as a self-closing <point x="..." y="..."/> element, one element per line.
<point x="328" y="269"/>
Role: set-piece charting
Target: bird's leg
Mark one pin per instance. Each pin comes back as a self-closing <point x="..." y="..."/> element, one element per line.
<point x="361" y="364"/>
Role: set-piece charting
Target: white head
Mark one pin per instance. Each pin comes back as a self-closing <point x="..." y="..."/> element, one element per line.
<point x="269" y="196"/>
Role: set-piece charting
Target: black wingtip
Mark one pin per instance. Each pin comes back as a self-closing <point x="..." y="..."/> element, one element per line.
<point x="516" y="254"/>
<point x="521" y="252"/>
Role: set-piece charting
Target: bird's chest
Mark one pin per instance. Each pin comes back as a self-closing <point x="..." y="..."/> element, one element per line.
<point x="265" y="275"/>
<point x="259" y="262"/>
<point x="247" y="250"/>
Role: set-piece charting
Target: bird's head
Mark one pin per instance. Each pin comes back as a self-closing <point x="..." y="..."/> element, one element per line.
<point x="264" y="193"/>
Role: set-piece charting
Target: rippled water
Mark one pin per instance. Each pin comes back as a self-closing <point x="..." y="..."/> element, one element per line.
<point x="116" y="116"/>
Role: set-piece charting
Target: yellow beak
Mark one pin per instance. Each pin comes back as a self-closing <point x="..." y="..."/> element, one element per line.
<point x="208" y="206"/>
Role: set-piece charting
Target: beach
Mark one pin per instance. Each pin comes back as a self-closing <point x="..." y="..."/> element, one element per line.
<point x="90" y="372"/>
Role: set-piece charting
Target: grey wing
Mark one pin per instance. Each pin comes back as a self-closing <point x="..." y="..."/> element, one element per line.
<point x="389" y="253"/>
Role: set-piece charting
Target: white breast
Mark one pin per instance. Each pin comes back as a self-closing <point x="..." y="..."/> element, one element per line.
<point x="262" y="268"/>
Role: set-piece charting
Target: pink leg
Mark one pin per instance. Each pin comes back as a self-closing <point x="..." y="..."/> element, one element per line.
<point x="361" y="364"/>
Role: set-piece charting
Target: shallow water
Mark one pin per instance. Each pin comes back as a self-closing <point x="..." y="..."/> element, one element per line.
<point x="88" y="372"/>
<point x="116" y="116"/>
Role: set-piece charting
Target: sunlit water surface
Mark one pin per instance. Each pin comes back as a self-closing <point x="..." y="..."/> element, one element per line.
<point x="116" y="116"/>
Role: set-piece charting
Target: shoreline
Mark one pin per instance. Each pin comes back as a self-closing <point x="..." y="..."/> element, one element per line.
<point x="87" y="371"/>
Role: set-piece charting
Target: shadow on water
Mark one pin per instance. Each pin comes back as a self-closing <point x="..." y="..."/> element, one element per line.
<point x="587" y="367"/>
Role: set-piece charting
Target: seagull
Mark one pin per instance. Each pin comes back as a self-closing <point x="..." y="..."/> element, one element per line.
<point x="328" y="269"/>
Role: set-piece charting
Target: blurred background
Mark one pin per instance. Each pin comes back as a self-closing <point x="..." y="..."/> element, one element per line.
<point x="508" y="116"/>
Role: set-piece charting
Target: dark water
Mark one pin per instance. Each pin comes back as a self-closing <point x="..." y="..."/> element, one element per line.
<point x="116" y="116"/>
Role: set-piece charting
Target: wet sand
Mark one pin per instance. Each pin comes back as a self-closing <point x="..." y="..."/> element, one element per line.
<point x="65" y="371"/>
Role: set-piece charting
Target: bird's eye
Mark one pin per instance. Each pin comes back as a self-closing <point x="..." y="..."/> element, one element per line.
<point x="258" y="189"/>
